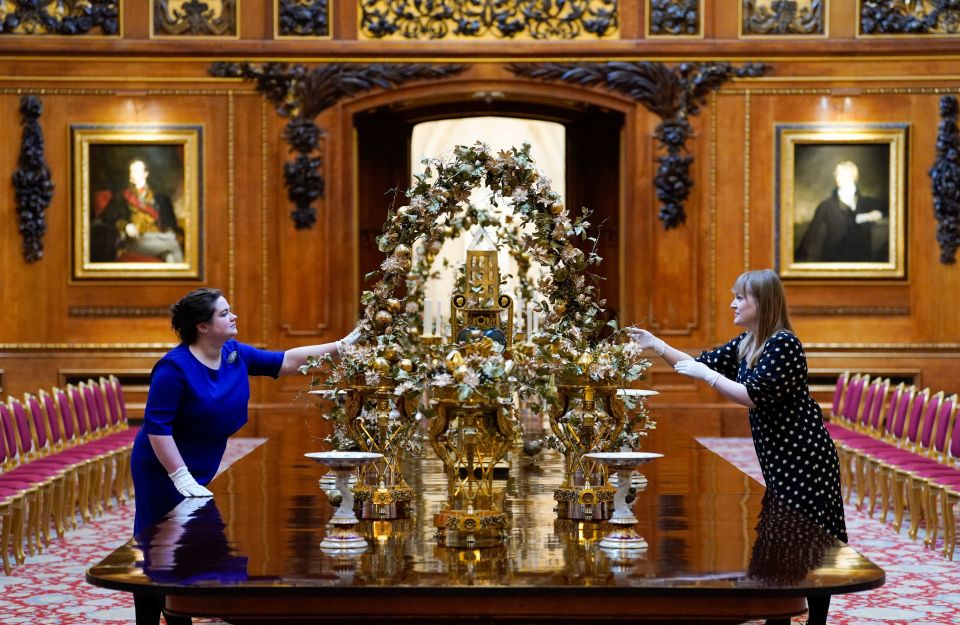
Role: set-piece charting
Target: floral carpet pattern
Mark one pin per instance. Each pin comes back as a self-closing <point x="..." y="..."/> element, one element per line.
<point x="922" y="587"/>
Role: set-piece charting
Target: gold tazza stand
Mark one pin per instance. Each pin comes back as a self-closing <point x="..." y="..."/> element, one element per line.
<point x="381" y="421"/>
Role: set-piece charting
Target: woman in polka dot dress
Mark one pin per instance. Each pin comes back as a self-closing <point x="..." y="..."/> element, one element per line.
<point x="765" y="370"/>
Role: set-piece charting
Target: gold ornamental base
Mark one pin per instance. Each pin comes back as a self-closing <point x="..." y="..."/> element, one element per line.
<point x="393" y="502"/>
<point x="476" y="528"/>
<point x="584" y="504"/>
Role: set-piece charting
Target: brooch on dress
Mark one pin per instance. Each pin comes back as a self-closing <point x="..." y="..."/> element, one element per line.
<point x="232" y="358"/>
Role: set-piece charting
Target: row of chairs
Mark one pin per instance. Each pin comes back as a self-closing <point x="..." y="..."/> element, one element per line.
<point x="63" y="454"/>
<point x="901" y="445"/>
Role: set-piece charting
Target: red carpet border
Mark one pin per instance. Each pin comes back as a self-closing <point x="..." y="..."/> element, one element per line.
<point x="922" y="588"/>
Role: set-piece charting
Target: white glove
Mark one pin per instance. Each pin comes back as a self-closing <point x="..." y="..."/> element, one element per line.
<point x="349" y="339"/>
<point x="186" y="485"/>
<point x="697" y="370"/>
<point x="646" y="340"/>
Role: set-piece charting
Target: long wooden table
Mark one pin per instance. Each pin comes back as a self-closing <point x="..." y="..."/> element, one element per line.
<point x="252" y="554"/>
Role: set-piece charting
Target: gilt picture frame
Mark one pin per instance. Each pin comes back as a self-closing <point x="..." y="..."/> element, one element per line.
<point x="137" y="201"/>
<point x="840" y="200"/>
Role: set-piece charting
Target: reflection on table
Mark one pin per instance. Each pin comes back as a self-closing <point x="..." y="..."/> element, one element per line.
<point x="714" y="549"/>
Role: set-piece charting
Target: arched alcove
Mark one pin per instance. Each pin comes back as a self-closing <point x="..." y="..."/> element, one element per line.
<point x="593" y="162"/>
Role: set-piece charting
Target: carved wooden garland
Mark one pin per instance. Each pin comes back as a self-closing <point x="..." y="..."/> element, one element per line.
<point x="31" y="180"/>
<point x="301" y="94"/>
<point x="672" y="93"/>
<point x="945" y="181"/>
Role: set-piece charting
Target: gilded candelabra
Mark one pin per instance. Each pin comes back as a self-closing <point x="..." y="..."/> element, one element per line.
<point x="587" y="418"/>
<point x="471" y="434"/>
<point x="381" y="421"/>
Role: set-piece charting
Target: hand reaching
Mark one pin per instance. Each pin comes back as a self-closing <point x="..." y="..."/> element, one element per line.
<point x="349" y="339"/>
<point x="697" y="370"/>
<point x="647" y="340"/>
<point x="186" y="485"/>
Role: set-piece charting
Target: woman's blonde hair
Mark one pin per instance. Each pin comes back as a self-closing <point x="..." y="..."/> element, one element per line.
<point x="772" y="315"/>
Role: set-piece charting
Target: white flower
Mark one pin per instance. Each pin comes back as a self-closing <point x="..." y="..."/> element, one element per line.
<point x="471" y="378"/>
<point x="403" y="387"/>
<point x="372" y="378"/>
<point x="631" y="350"/>
<point x="443" y="379"/>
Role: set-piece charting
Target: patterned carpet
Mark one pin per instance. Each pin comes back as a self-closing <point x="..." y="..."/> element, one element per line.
<point x="922" y="587"/>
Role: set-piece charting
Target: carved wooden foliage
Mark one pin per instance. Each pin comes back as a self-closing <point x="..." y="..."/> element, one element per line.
<point x="783" y="17"/>
<point x="945" y="181"/>
<point x="194" y="18"/>
<point x="502" y="19"/>
<point x="64" y="17"/>
<point x="675" y="17"/>
<point x="672" y="93"/>
<point x="32" y="183"/>
<point x="303" y="18"/>
<point x="301" y="94"/>
<point x="913" y="17"/>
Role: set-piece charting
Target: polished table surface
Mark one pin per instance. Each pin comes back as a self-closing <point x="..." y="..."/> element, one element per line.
<point x="717" y="552"/>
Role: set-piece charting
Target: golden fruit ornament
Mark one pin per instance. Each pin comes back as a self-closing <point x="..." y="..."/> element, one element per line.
<point x="380" y="365"/>
<point x="453" y="359"/>
<point x="393" y="305"/>
<point x="585" y="359"/>
<point x="556" y="209"/>
<point x="406" y="365"/>
<point x="391" y="353"/>
<point x="434" y="247"/>
<point x="402" y="251"/>
<point x="560" y="309"/>
<point x="383" y="318"/>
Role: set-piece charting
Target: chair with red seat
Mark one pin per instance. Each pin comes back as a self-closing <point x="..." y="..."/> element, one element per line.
<point x="36" y="481"/>
<point x="838" y="392"/>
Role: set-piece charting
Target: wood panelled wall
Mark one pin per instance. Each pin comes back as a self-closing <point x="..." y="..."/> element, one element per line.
<point x="295" y="287"/>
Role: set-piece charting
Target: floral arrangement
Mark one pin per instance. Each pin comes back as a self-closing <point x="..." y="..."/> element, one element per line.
<point x="567" y="348"/>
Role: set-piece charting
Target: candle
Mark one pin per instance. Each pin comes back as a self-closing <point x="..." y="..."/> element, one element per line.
<point x="427" y="321"/>
<point x="529" y="321"/>
<point x="518" y="316"/>
<point x="438" y="316"/>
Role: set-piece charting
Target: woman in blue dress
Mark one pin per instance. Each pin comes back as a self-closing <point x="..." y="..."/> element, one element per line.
<point x="198" y="398"/>
<point x="765" y="369"/>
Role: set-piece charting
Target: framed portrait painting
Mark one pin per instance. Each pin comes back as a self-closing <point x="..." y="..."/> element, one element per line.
<point x="841" y="201"/>
<point x="137" y="201"/>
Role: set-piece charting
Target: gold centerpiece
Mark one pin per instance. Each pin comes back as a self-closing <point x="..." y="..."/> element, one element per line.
<point x="469" y="381"/>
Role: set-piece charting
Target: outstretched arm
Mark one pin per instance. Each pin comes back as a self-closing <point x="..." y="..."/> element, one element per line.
<point x="295" y="358"/>
<point x="685" y="364"/>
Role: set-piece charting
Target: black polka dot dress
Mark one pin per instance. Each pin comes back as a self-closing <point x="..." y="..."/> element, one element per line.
<point x="797" y="456"/>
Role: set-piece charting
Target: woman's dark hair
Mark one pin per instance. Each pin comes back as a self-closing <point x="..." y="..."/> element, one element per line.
<point x="195" y="307"/>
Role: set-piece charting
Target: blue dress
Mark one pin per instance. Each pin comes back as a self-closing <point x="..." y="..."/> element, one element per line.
<point x="200" y="407"/>
<point x="797" y="456"/>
